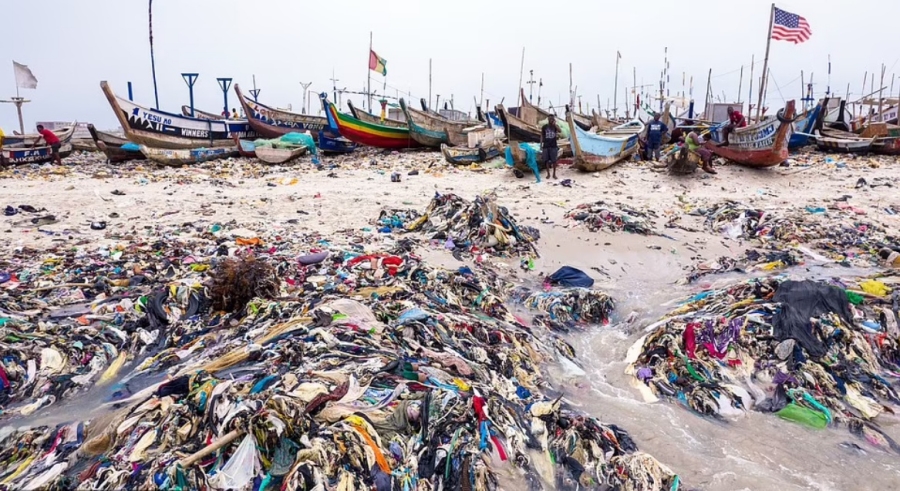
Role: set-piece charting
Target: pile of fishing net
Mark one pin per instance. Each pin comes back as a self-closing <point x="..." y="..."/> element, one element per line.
<point x="367" y="368"/>
<point x="566" y="308"/>
<point x="818" y="353"/>
<point x="614" y="218"/>
<point x="290" y="140"/>
<point x="467" y="227"/>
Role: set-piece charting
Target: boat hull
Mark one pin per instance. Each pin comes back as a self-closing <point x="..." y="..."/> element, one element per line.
<point x="17" y="155"/>
<point x="762" y="144"/>
<point x="805" y="125"/>
<point x="516" y="129"/>
<point x="596" y="152"/>
<point x="466" y="156"/>
<point x="370" y="134"/>
<point x="157" y="129"/>
<point x="273" y="123"/>
<point x="111" y="146"/>
<point x="333" y="144"/>
<point x="272" y="155"/>
<point x="170" y="157"/>
<point x="887" y="139"/>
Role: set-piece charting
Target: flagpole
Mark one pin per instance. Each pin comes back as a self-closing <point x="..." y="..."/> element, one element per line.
<point x="763" y="85"/>
<point x="369" y="71"/>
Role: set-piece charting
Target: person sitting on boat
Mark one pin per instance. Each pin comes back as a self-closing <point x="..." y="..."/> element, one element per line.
<point x="225" y="113"/>
<point x="678" y="134"/>
<point x="1" y="137"/>
<point x="549" y="148"/>
<point x="234" y="114"/>
<point x="52" y="141"/>
<point x="735" y="120"/>
<point x="656" y="129"/>
<point x="696" y="144"/>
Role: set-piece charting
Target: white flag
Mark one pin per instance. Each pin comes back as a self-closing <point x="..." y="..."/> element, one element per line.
<point x="24" y="78"/>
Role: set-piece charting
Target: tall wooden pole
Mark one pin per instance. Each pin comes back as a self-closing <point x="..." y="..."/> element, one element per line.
<point x="881" y="95"/>
<point x="634" y="90"/>
<point x="429" y="81"/>
<point x="369" y="72"/>
<point x="750" y="82"/>
<point x="152" y="57"/>
<point x="521" y="74"/>
<point x="764" y="84"/>
<point x="740" y="85"/>
<point x="706" y="100"/>
<point x="480" y="101"/>
<point x="616" y="85"/>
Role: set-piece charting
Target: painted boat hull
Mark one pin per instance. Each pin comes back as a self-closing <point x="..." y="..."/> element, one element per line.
<point x="806" y="124"/>
<point x="517" y="129"/>
<point x="366" y="133"/>
<point x="111" y="146"/>
<point x="273" y="123"/>
<point x="170" y="157"/>
<point x="64" y="135"/>
<point x="367" y="117"/>
<point x="836" y="141"/>
<point x="335" y="144"/>
<point x="887" y="138"/>
<point x="20" y="154"/>
<point x="762" y="144"/>
<point x="596" y="152"/>
<point x="466" y="156"/>
<point x="271" y="155"/>
<point x="198" y="114"/>
<point x="157" y="129"/>
<point x="432" y="130"/>
<point x="245" y="149"/>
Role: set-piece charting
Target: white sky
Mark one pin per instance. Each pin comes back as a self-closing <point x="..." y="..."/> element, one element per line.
<point x="72" y="45"/>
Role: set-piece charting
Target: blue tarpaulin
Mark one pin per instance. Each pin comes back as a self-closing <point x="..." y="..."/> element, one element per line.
<point x="569" y="276"/>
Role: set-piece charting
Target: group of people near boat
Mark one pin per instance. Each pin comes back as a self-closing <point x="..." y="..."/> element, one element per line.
<point x="690" y="137"/>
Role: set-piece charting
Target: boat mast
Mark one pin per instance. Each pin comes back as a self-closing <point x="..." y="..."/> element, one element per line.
<point x="616" y="85"/>
<point x="521" y="74"/>
<point x="369" y="77"/>
<point x="828" y="87"/>
<point x="764" y="84"/>
<point x="634" y="90"/>
<point x="706" y="107"/>
<point x="153" y="58"/>
<point x="880" y="95"/>
<point x="750" y="81"/>
<point x="429" y="81"/>
<point x="530" y="83"/>
<point x="740" y="85"/>
<point x="480" y="101"/>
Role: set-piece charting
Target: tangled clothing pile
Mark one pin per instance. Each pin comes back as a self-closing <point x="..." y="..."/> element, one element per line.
<point x="467" y="227"/>
<point x="615" y="218"/>
<point x="752" y="260"/>
<point x="371" y="369"/>
<point x="566" y="308"/>
<point x="798" y="348"/>
<point x="839" y="232"/>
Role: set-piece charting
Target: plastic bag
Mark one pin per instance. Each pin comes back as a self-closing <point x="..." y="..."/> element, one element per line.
<point x="240" y="469"/>
<point x="874" y="287"/>
<point x="803" y="415"/>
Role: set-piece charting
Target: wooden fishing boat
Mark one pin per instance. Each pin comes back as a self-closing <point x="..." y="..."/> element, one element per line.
<point x="273" y="155"/>
<point x="272" y="123"/>
<point x="583" y="121"/>
<point x="111" y="145"/>
<point x="64" y="134"/>
<point x="598" y="151"/>
<point x="178" y="157"/>
<point x="466" y="156"/>
<point x="762" y="144"/>
<point x="20" y="153"/>
<point x="601" y="123"/>
<point x="803" y="126"/>
<point x="246" y="149"/>
<point x="157" y="129"/>
<point x="431" y="131"/>
<point x="517" y="129"/>
<point x="186" y="111"/>
<point x="838" y="141"/>
<point x="367" y="117"/>
<point x="332" y="143"/>
<point x="520" y="156"/>
<point x="887" y="138"/>
<point x="367" y="133"/>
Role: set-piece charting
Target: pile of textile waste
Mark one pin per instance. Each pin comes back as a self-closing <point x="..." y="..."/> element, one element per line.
<point x="470" y="228"/>
<point x="614" y="218"/>
<point x="370" y="369"/>
<point x="818" y="353"/>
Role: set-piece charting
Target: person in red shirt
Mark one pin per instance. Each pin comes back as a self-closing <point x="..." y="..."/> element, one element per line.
<point x="52" y="140"/>
<point x="735" y="120"/>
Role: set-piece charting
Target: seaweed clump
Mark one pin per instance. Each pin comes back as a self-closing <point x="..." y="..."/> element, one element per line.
<point x="237" y="281"/>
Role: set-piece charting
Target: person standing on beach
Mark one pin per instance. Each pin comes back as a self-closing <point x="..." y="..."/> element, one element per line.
<point x="735" y="120"/>
<point x="52" y="141"/>
<point x="549" y="148"/>
<point x="656" y="129"/>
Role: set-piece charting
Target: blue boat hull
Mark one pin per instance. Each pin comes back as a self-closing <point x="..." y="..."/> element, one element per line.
<point x="806" y="124"/>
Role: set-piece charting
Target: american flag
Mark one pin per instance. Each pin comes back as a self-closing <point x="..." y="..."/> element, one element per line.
<point x="790" y="27"/>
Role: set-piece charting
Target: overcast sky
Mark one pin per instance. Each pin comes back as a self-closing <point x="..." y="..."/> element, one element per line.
<point x="72" y="45"/>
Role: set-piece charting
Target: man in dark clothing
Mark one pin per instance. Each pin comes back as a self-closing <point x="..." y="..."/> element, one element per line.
<point x="52" y="142"/>
<point x="549" y="149"/>
<point x="655" y="131"/>
<point x="735" y="120"/>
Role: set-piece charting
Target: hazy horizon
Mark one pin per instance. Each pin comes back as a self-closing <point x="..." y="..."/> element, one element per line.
<point x="284" y="43"/>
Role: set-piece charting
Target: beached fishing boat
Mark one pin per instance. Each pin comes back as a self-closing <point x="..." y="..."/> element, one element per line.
<point x="597" y="151"/>
<point x="887" y="138"/>
<point x="838" y="141"/>
<point x="280" y="155"/>
<point x="431" y="130"/>
<point x="583" y="121"/>
<point x="157" y="129"/>
<point x="112" y="146"/>
<point x="178" y="157"/>
<point x="466" y="156"/>
<point x="517" y="129"/>
<point x="762" y="144"/>
<point x="186" y="111"/>
<point x="803" y="126"/>
<point x="20" y="153"/>
<point x="64" y="134"/>
<point x="367" y="117"/>
<point x="245" y="148"/>
<point x="272" y="123"/>
<point x="367" y="133"/>
<point x="330" y="142"/>
<point x="601" y="123"/>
